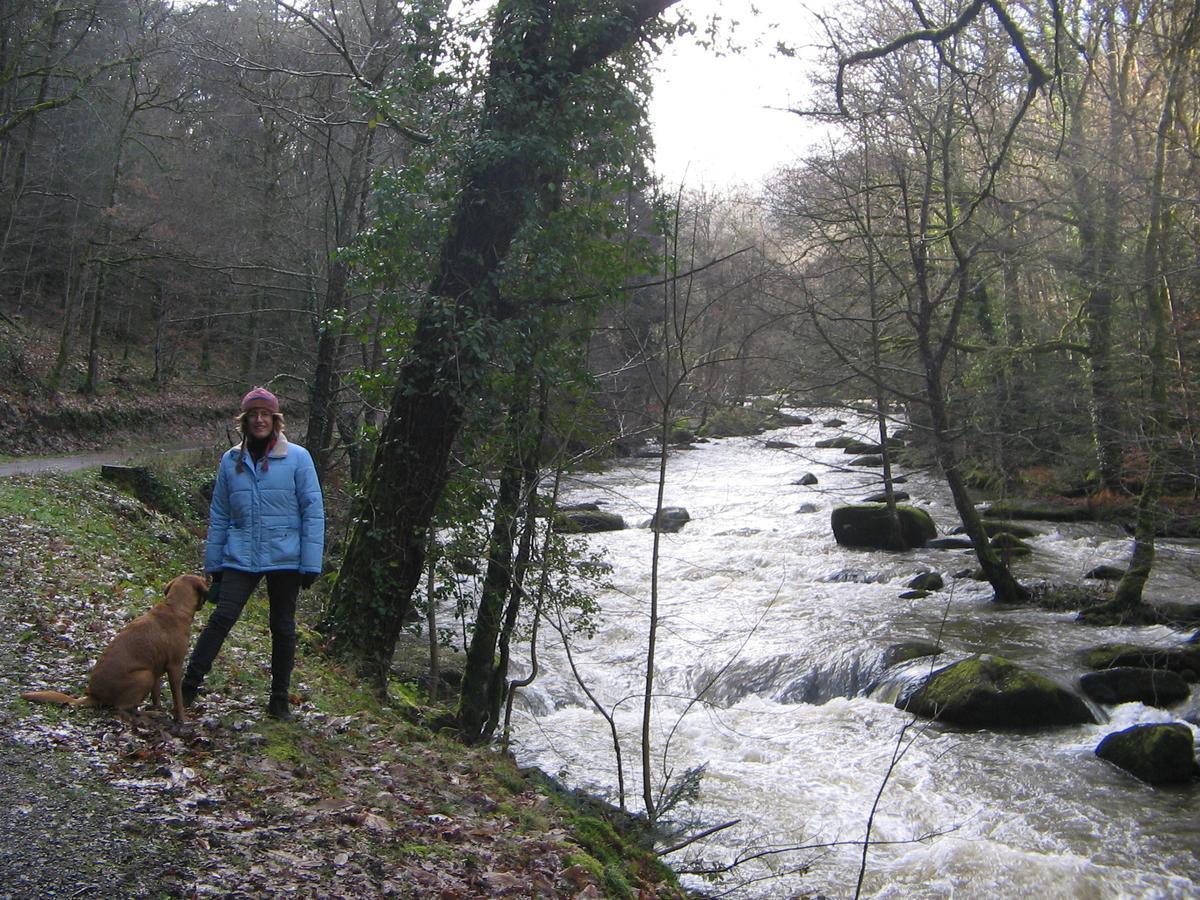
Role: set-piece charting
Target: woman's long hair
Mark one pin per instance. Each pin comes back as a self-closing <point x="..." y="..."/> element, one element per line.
<point x="242" y="422"/>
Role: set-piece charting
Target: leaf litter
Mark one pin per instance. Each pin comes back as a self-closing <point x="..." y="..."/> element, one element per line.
<point x="340" y="802"/>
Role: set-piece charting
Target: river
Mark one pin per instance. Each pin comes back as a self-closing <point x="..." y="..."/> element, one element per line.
<point x="784" y="632"/>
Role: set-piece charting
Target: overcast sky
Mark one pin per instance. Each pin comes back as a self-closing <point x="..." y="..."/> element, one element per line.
<point x="717" y="119"/>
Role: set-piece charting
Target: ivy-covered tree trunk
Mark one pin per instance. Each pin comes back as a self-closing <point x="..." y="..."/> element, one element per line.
<point x="539" y="50"/>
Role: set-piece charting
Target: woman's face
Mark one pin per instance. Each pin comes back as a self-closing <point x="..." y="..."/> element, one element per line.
<point x="258" y="423"/>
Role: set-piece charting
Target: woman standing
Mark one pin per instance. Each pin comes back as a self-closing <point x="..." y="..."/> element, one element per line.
<point x="267" y="519"/>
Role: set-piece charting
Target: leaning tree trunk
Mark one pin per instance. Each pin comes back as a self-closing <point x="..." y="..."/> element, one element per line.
<point x="457" y="332"/>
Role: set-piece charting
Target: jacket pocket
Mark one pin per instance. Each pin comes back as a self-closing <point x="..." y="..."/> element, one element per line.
<point x="237" y="548"/>
<point x="283" y="547"/>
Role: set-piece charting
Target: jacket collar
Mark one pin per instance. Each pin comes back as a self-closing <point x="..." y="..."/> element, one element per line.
<point x="279" y="451"/>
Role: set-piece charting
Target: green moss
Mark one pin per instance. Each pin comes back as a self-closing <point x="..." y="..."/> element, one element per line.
<point x="585" y="860"/>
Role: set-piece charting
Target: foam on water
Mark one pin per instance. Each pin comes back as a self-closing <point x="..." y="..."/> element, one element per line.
<point x="784" y="632"/>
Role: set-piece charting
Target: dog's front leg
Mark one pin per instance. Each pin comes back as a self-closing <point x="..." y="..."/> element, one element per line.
<point x="175" y="679"/>
<point x="156" y="692"/>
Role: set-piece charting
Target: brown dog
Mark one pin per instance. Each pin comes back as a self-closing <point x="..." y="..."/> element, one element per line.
<point x="132" y="666"/>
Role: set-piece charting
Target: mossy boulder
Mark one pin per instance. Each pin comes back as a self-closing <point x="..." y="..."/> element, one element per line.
<point x="993" y="692"/>
<point x="735" y="421"/>
<point x="1157" y="754"/>
<point x="868" y="526"/>
<point x="587" y="521"/>
<point x="1127" y="684"/>
<point x="834" y="442"/>
<point x="1184" y="659"/>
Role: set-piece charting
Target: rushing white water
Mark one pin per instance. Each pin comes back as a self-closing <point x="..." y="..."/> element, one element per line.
<point x="783" y="633"/>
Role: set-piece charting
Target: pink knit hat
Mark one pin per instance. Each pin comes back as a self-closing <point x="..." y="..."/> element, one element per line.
<point x="260" y="398"/>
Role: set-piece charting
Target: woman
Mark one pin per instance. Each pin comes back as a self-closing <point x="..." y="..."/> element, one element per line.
<point x="267" y="519"/>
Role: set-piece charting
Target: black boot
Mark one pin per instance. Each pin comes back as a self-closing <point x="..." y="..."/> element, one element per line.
<point x="278" y="707"/>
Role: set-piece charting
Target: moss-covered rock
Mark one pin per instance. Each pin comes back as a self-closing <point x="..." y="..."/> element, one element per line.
<point x="834" y="442"/>
<point x="993" y="692"/>
<point x="586" y="521"/>
<point x="868" y="526"/>
<point x="1127" y="684"/>
<point x="1157" y="754"/>
<point x="1184" y="659"/>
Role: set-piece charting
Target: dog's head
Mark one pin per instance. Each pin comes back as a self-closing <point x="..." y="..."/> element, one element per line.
<point x="188" y="586"/>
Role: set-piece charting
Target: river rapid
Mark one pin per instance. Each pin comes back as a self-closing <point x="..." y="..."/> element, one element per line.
<point x="784" y="633"/>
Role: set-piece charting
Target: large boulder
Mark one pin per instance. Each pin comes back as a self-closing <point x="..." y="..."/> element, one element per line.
<point x="670" y="519"/>
<point x="585" y="521"/>
<point x="1127" y="684"/>
<point x="867" y="526"/>
<point x="993" y="692"/>
<point x="1158" y="754"/>
<point x="1183" y="659"/>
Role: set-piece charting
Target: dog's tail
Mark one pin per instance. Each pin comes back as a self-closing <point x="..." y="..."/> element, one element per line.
<point x="58" y="698"/>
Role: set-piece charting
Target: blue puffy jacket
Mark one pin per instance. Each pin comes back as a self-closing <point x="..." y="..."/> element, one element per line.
<point x="261" y="521"/>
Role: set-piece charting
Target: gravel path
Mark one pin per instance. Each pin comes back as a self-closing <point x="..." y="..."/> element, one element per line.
<point x="70" y="836"/>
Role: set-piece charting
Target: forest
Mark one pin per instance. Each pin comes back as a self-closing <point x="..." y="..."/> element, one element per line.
<point x="435" y="228"/>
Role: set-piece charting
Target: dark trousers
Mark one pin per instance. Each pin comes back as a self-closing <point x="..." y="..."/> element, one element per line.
<point x="236" y="588"/>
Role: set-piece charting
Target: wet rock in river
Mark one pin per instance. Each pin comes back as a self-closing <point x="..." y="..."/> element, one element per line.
<point x="670" y="519"/>
<point x="1105" y="573"/>
<point x="808" y="479"/>
<point x="869" y="526"/>
<point x="914" y="595"/>
<point x="1157" y="754"/>
<point x="826" y="443"/>
<point x="927" y="581"/>
<point x="1126" y="684"/>
<point x="780" y="445"/>
<point x="866" y="461"/>
<point x="1183" y="659"/>
<point x="993" y="692"/>
<point x="587" y="522"/>
<point x="834" y="423"/>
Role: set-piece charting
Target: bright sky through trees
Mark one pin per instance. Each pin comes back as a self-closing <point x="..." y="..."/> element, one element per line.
<point x="720" y="117"/>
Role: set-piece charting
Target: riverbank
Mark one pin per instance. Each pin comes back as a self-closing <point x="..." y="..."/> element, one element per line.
<point x="351" y="799"/>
